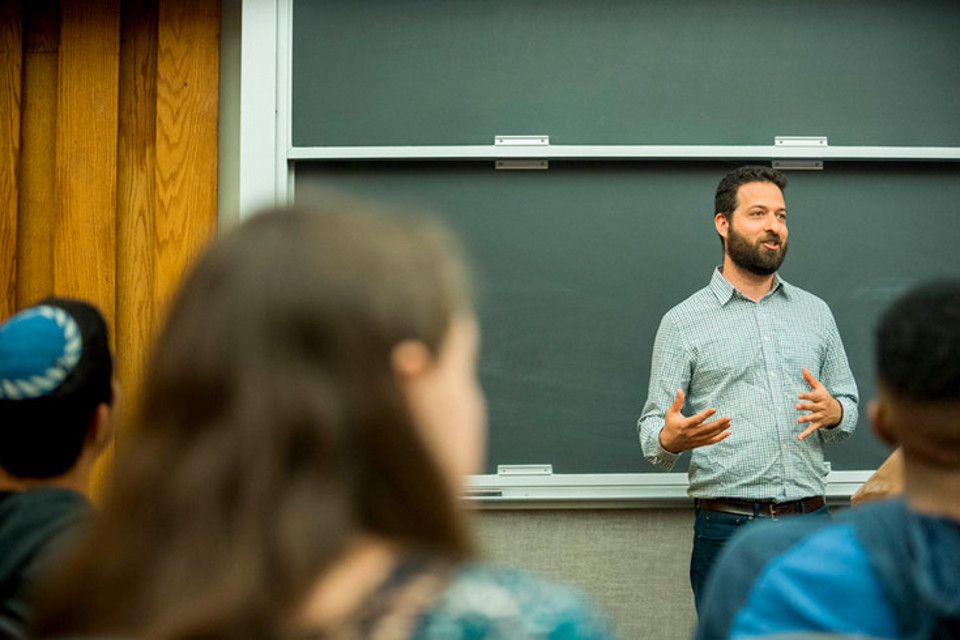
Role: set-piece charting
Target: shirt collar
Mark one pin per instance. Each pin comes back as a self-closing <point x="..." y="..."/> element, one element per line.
<point x="723" y="290"/>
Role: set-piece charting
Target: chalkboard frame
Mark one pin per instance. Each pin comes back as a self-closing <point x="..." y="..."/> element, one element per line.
<point x="613" y="490"/>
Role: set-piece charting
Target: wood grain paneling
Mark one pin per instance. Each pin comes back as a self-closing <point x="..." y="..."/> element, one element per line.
<point x="11" y="58"/>
<point x="84" y="242"/>
<point x="187" y="94"/>
<point x="136" y="200"/>
<point x="108" y="152"/>
<point x="39" y="209"/>
<point x="84" y="238"/>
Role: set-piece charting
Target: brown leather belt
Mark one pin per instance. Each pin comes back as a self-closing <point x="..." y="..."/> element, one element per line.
<point x="761" y="508"/>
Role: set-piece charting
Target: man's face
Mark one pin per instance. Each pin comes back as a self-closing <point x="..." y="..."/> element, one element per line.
<point x="756" y="234"/>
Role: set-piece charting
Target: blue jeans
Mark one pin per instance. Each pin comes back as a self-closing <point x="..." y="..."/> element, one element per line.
<point x="711" y="531"/>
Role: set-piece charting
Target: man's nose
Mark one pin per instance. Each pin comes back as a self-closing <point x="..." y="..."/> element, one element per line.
<point x="774" y="223"/>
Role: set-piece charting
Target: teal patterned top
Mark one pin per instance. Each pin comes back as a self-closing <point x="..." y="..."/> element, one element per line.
<point x="426" y="598"/>
<point x="486" y="602"/>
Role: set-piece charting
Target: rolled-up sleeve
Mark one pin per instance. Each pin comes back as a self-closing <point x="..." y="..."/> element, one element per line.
<point x="670" y="369"/>
<point x="837" y="377"/>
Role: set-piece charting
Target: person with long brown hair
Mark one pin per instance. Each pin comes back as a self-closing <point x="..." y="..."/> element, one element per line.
<point x="309" y="412"/>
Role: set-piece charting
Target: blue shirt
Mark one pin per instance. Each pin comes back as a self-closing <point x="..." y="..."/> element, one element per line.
<point x="823" y="584"/>
<point x="882" y="571"/>
<point x="745" y="358"/>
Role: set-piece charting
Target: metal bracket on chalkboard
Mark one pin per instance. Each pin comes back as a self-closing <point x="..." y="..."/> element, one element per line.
<point x="521" y="141"/>
<point x="798" y="165"/>
<point x="524" y="470"/>
<point x="522" y="163"/>
<point x="800" y="142"/>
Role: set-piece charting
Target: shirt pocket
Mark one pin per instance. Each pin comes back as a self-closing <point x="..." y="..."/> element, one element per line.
<point x="722" y="362"/>
<point x="799" y="349"/>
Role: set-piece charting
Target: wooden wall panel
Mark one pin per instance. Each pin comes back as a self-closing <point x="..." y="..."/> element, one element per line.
<point x="84" y="241"/>
<point x="136" y="200"/>
<point x="84" y="238"/>
<point x="11" y="57"/>
<point x="187" y="94"/>
<point x="108" y="154"/>
<point x="38" y="208"/>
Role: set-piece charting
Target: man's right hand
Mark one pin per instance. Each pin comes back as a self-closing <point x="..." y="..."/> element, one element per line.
<point x="681" y="433"/>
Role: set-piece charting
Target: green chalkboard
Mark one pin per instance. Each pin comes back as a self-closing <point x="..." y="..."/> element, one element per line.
<point x="577" y="264"/>
<point x="722" y="72"/>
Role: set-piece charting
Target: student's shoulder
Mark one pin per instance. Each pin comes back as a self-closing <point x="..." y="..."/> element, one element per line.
<point x="31" y="518"/>
<point x="817" y="582"/>
<point x="491" y="602"/>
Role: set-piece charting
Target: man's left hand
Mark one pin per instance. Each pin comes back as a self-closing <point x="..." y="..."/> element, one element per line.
<point x="825" y="410"/>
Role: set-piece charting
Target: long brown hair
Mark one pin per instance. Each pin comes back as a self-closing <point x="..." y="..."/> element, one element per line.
<point x="271" y="431"/>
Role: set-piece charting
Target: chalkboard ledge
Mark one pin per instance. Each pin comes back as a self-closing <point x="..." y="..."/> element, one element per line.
<point x="612" y="491"/>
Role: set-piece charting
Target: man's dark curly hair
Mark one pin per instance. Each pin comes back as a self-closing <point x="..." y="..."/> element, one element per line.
<point x="726" y="199"/>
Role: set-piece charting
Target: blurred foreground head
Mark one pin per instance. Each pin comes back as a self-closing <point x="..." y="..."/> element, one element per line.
<point x="315" y="382"/>
<point x="918" y="370"/>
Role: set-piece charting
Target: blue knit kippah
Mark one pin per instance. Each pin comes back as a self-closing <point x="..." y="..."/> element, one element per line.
<point x="39" y="348"/>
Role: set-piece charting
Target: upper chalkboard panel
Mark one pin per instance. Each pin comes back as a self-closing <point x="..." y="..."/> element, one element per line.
<point x="729" y="72"/>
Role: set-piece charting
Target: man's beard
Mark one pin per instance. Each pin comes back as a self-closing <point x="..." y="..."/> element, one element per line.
<point x="753" y="257"/>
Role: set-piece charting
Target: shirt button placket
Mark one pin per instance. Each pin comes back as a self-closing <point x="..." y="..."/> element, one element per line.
<point x="770" y="363"/>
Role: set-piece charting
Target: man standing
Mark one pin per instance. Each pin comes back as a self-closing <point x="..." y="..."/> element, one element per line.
<point x="764" y="355"/>
<point x="57" y="400"/>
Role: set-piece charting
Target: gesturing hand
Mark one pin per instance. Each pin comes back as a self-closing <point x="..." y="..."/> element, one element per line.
<point x="680" y="433"/>
<point x="825" y="410"/>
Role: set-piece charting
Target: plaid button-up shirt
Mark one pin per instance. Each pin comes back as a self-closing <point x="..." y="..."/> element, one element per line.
<point x="746" y="359"/>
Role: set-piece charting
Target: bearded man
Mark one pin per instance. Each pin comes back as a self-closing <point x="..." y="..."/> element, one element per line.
<point x="760" y="367"/>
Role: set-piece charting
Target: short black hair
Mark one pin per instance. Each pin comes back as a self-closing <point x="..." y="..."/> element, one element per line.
<point x="918" y="344"/>
<point x="725" y="200"/>
<point x="42" y="437"/>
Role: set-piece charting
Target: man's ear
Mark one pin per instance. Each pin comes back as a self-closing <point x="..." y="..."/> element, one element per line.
<point x="880" y="418"/>
<point x="103" y="429"/>
<point x="410" y="359"/>
<point x="722" y="223"/>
